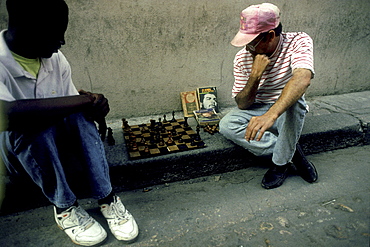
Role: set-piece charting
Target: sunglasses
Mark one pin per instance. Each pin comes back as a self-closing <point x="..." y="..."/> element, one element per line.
<point x="253" y="47"/>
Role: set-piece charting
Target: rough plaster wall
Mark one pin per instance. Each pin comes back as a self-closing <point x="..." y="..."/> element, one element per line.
<point x="142" y="53"/>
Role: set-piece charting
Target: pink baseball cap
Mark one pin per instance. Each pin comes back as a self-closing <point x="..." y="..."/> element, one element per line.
<point x="254" y="20"/>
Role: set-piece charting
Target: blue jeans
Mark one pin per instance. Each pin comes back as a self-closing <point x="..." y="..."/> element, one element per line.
<point x="47" y="155"/>
<point x="279" y="141"/>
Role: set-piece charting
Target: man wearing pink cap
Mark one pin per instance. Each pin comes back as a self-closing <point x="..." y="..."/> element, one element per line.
<point x="272" y="73"/>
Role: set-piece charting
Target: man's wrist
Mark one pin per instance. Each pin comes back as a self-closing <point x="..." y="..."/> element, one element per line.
<point x="254" y="76"/>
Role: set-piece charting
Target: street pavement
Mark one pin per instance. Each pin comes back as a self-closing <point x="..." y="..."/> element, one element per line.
<point x="213" y="196"/>
<point x="232" y="209"/>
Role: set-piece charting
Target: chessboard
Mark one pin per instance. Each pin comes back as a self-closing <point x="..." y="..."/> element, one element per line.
<point x="160" y="138"/>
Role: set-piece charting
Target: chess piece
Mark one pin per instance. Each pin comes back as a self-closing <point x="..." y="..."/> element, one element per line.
<point x="192" y="143"/>
<point x="161" y="142"/>
<point x="208" y="129"/>
<point x="164" y="119"/>
<point x="180" y="140"/>
<point x="132" y="136"/>
<point x="197" y="137"/>
<point x="163" y="129"/>
<point x="152" y="124"/>
<point x="186" y="122"/>
<point x="157" y="137"/>
<point x="170" y="140"/>
<point x="152" y="137"/>
<point x="173" y="132"/>
<point x="125" y="125"/>
<point x="110" y="138"/>
<point x="173" y="117"/>
<point x="133" y="146"/>
<point x="215" y="128"/>
<point x="200" y="144"/>
<point x="146" y="150"/>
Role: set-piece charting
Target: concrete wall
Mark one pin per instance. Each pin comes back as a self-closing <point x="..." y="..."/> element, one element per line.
<point x="142" y="53"/>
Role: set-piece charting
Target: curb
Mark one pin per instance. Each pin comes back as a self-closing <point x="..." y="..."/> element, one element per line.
<point x="334" y="129"/>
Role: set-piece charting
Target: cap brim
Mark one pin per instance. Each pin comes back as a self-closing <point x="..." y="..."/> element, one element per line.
<point x="241" y="39"/>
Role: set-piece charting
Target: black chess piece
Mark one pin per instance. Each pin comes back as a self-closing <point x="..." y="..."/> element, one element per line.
<point x="173" y="132"/>
<point x="162" y="129"/>
<point x="180" y="140"/>
<point x="110" y="138"/>
<point x="192" y="143"/>
<point x="197" y="137"/>
<point x="173" y="117"/>
<point x="152" y="124"/>
<point x="125" y="125"/>
<point x="186" y="122"/>
<point x="164" y="119"/>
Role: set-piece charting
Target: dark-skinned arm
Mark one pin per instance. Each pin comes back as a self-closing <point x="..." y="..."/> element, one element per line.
<point x="36" y="114"/>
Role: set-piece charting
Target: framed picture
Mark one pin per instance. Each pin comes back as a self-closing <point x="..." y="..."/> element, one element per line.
<point x="189" y="103"/>
<point x="207" y="97"/>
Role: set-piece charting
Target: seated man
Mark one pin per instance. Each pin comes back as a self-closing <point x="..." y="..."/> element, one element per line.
<point x="46" y="115"/>
<point x="272" y="73"/>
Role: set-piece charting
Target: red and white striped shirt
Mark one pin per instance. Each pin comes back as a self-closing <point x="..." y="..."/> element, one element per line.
<point x="295" y="50"/>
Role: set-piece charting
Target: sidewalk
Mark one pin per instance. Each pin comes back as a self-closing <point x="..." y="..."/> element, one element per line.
<point x="231" y="210"/>
<point x="334" y="122"/>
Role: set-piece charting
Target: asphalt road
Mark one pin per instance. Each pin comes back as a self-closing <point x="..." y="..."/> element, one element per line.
<point x="232" y="209"/>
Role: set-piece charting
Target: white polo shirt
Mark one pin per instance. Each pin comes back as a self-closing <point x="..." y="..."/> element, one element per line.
<point x="295" y="50"/>
<point x="54" y="78"/>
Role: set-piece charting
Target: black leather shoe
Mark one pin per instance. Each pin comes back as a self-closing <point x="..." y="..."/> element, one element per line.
<point x="304" y="167"/>
<point x="275" y="176"/>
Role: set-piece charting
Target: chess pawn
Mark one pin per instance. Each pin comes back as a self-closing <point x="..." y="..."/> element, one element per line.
<point x="164" y="119"/>
<point x="173" y="117"/>
<point x="161" y="142"/>
<point x="198" y="129"/>
<point x="146" y="150"/>
<point x="133" y="146"/>
<point x="180" y="140"/>
<point x="170" y="140"/>
<point x="197" y="137"/>
<point x="125" y="125"/>
<point x="173" y="132"/>
<point x="186" y="122"/>
<point x="132" y="137"/>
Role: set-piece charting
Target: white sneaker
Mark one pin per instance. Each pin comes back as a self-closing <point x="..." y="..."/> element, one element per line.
<point x="120" y="221"/>
<point x="80" y="226"/>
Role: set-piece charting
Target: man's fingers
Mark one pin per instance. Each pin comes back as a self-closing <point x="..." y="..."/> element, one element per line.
<point x="255" y="130"/>
<point x="260" y="134"/>
<point x="251" y="131"/>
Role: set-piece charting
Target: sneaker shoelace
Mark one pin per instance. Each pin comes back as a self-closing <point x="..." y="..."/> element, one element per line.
<point x="119" y="211"/>
<point x="84" y="221"/>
